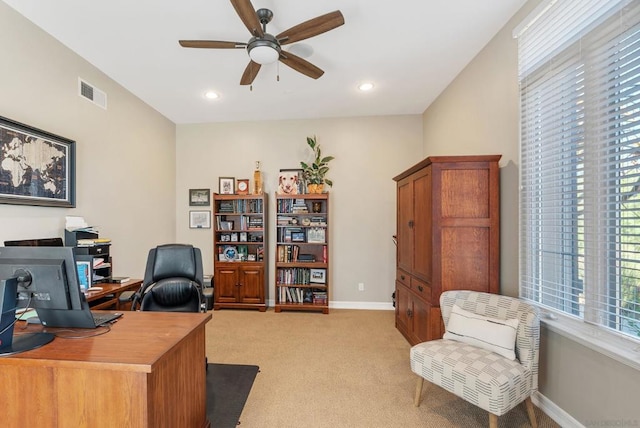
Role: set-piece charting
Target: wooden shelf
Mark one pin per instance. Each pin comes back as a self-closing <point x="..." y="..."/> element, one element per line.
<point x="300" y="219"/>
<point x="240" y="283"/>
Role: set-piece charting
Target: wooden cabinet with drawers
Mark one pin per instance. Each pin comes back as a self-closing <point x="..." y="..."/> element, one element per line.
<point x="448" y="237"/>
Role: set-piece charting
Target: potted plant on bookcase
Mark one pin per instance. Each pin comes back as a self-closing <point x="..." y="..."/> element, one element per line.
<point x="314" y="173"/>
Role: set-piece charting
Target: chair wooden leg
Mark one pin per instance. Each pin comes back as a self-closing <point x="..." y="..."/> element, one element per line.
<point x="493" y="420"/>
<point x="416" y="399"/>
<point x="531" y="412"/>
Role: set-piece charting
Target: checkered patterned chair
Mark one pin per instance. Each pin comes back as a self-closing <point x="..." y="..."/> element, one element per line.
<point x="486" y="379"/>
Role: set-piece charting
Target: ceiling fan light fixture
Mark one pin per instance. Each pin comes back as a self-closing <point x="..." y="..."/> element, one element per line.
<point x="365" y="86"/>
<point x="264" y="50"/>
<point x="211" y="95"/>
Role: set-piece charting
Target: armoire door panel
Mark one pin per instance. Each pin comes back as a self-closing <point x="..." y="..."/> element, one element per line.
<point x="465" y="258"/>
<point x="404" y="221"/>
<point x="422" y="245"/>
<point x="465" y="193"/>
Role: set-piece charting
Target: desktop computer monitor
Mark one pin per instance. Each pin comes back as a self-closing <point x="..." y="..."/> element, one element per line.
<point x="44" y="278"/>
<point x="47" y="276"/>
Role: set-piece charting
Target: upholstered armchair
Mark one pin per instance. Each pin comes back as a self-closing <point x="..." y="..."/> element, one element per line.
<point x="488" y="355"/>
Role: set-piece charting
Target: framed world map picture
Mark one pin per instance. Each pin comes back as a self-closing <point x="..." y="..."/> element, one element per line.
<point x="36" y="167"/>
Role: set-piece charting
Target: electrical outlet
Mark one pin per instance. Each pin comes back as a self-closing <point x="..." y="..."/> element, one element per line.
<point x="361" y="286"/>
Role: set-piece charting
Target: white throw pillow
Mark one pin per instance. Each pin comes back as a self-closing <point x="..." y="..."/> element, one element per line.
<point x="493" y="334"/>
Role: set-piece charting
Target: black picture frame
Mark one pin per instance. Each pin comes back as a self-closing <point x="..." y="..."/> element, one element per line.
<point x="199" y="197"/>
<point x="36" y="166"/>
<point x="226" y="185"/>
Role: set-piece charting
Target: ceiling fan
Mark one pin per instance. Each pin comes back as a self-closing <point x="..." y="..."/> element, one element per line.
<point x="264" y="48"/>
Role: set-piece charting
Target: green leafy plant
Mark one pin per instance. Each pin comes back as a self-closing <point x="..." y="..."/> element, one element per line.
<point x="315" y="172"/>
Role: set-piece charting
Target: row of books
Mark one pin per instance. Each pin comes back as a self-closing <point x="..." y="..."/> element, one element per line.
<point x="286" y="253"/>
<point x="297" y="206"/>
<point x="246" y="223"/>
<point x="302" y="295"/>
<point x="300" y="276"/>
<point x="240" y="206"/>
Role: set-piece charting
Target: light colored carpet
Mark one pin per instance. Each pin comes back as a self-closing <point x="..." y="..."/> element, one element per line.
<point x="346" y="369"/>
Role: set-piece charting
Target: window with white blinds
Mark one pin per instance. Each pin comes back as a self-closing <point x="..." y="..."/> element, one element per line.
<point x="580" y="161"/>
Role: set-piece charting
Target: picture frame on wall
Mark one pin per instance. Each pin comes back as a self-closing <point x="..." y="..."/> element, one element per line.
<point x="36" y="167"/>
<point x="200" y="219"/>
<point x="226" y="185"/>
<point x="199" y="197"/>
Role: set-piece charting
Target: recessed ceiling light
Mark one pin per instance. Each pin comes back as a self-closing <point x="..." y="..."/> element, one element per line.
<point x="366" y="86"/>
<point x="210" y="95"/>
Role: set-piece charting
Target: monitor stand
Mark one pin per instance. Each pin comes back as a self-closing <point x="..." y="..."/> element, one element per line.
<point x="9" y="344"/>
<point x="26" y="342"/>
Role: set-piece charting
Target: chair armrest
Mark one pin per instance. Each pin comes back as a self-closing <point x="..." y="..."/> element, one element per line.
<point x="126" y="296"/>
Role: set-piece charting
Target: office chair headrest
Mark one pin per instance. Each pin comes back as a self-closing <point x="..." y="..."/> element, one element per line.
<point x="175" y="260"/>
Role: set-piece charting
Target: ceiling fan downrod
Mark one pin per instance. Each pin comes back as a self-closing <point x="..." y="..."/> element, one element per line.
<point x="265" y="16"/>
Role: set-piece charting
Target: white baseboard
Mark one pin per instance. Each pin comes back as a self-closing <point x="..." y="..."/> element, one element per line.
<point x="561" y="417"/>
<point x="377" y="306"/>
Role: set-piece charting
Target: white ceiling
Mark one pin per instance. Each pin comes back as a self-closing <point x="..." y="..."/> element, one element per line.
<point x="410" y="49"/>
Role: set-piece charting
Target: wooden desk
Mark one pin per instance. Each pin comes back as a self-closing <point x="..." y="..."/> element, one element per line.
<point x="148" y="371"/>
<point x="107" y="298"/>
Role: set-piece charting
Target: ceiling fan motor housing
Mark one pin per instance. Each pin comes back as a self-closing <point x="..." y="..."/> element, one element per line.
<point x="264" y="50"/>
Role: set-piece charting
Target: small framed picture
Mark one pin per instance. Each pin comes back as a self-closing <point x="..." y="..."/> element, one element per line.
<point x="227" y="185"/>
<point x="199" y="197"/>
<point x="200" y="219"/>
<point x="318" y="276"/>
<point x="242" y="186"/>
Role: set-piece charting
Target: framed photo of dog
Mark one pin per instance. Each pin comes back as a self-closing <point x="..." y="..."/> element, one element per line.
<point x="290" y="182"/>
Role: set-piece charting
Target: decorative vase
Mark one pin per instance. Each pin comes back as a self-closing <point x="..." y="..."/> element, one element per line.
<point x="257" y="180"/>
<point x="315" y="188"/>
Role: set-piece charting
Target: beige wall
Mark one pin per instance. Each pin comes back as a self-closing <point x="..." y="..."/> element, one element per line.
<point x="369" y="152"/>
<point x="125" y="155"/>
<point x="479" y="113"/>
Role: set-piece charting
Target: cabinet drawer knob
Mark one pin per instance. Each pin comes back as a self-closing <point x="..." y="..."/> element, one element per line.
<point x="409" y="313"/>
<point x="420" y="288"/>
<point x="402" y="277"/>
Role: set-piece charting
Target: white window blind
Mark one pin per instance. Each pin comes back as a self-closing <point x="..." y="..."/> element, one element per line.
<point x="580" y="161"/>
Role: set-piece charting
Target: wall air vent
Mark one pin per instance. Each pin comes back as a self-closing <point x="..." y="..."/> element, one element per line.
<point x="88" y="91"/>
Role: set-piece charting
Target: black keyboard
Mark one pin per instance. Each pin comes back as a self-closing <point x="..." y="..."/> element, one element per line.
<point x="102" y="318"/>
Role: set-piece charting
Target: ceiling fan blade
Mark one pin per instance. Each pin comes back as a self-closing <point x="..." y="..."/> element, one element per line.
<point x="301" y="65"/>
<point x="250" y="73"/>
<point x="211" y="44"/>
<point x="312" y="27"/>
<point x="247" y="13"/>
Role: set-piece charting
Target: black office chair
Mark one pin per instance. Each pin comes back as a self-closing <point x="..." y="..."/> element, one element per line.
<point x="173" y="280"/>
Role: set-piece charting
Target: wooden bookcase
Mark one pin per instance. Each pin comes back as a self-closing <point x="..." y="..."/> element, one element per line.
<point x="302" y="253"/>
<point x="239" y="250"/>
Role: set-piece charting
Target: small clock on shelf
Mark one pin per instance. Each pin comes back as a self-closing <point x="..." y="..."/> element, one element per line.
<point x="243" y="186"/>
